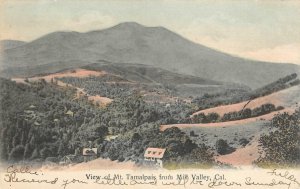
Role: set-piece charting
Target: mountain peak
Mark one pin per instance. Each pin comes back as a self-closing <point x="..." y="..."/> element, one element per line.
<point x="130" y="25"/>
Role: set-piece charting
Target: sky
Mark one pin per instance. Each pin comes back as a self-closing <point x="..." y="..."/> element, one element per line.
<point x="267" y="30"/>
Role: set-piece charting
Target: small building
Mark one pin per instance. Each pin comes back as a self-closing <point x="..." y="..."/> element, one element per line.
<point x="155" y="156"/>
<point x="69" y="159"/>
<point x="32" y="107"/>
<point x="192" y="134"/>
<point x="89" y="154"/>
<point x="36" y="123"/>
<point x="70" y="113"/>
<point x="110" y="137"/>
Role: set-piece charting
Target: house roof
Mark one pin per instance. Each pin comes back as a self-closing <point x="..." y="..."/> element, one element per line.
<point x="110" y="137"/>
<point x="36" y="123"/>
<point x="155" y="153"/>
<point x="70" y="158"/>
<point x="89" y="151"/>
<point x="69" y="112"/>
<point x="32" y="106"/>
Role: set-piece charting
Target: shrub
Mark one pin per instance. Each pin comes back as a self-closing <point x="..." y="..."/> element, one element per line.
<point x="243" y="141"/>
<point x="279" y="108"/>
<point x="222" y="147"/>
<point x="212" y="117"/>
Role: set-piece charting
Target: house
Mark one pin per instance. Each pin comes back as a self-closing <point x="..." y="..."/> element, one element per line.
<point x="70" y="113"/>
<point x="36" y="123"/>
<point x="192" y="134"/>
<point x="70" y="159"/>
<point x="155" y="156"/>
<point x="111" y="137"/>
<point x="32" y="107"/>
<point x="89" y="154"/>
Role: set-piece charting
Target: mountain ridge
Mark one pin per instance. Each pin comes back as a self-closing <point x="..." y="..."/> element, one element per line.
<point x="9" y="44"/>
<point x="135" y="43"/>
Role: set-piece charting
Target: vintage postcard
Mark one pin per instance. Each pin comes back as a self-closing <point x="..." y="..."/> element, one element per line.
<point x="149" y="94"/>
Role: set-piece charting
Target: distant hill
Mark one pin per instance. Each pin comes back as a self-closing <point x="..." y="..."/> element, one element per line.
<point x="182" y="84"/>
<point x="134" y="43"/>
<point x="10" y="44"/>
<point x="149" y="74"/>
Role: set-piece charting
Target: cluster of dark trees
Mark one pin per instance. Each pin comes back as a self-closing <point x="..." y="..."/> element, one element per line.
<point x="106" y="86"/>
<point x="240" y="95"/>
<point x="282" y="145"/>
<point x="112" y="86"/>
<point x="223" y="148"/>
<point x="41" y="121"/>
<point x="229" y="96"/>
<point x="280" y="84"/>
<point x="236" y="115"/>
<point x="248" y="113"/>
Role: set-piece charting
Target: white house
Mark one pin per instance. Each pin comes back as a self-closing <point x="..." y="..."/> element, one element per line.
<point x="89" y="154"/>
<point x="155" y="155"/>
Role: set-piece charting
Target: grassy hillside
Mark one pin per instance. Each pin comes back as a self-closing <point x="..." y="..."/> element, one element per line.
<point x="243" y="96"/>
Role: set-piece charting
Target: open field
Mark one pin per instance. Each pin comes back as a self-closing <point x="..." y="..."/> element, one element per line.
<point x="242" y="156"/>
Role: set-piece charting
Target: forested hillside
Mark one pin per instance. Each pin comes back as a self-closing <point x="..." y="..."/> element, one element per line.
<point x="40" y="122"/>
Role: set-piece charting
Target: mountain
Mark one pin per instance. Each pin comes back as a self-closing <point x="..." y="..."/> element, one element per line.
<point x="10" y="44"/>
<point x="134" y="43"/>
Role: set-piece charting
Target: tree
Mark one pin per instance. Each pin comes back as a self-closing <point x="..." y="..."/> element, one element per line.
<point x="266" y="108"/>
<point x="27" y="151"/>
<point x="17" y="153"/>
<point x="246" y="113"/>
<point x="222" y="147"/>
<point x="192" y="133"/>
<point x="35" y="154"/>
<point x="199" y="118"/>
<point x="212" y="117"/>
<point x="3" y="151"/>
<point x="135" y="137"/>
<point x="45" y="152"/>
<point x="201" y="154"/>
<point x="113" y="153"/>
<point x="281" y="146"/>
<point x="61" y="149"/>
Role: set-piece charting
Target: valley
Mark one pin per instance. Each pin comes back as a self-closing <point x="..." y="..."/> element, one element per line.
<point x="241" y="135"/>
<point x="122" y="90"/>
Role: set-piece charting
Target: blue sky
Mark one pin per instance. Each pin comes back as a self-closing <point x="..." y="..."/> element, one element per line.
<point x="263" y="30"/>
